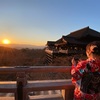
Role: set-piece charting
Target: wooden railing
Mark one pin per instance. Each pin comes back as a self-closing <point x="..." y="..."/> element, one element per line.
<point x="21" y="87"/>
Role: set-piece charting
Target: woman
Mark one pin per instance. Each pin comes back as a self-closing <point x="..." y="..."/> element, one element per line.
<point x="86" y="74"/>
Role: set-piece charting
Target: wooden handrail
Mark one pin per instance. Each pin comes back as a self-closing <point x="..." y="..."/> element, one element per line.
<point x="33" y="69"/>
<point x="21" y="80"/>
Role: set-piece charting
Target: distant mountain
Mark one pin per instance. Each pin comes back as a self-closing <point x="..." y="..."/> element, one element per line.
<point x="20" y="46"/>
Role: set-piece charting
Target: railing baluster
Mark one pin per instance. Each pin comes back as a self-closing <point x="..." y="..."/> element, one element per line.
<point x="21" y="82"/>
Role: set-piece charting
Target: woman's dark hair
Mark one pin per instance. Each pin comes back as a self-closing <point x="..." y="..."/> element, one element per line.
<point x="94" y="47"/>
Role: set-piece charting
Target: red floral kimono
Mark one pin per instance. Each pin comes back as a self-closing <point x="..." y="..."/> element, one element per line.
<point x="86" y="78"/>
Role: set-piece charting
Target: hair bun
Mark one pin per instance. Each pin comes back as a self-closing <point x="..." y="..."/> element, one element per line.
<point x="92" y="48"/>
<point x="95" y="50"/>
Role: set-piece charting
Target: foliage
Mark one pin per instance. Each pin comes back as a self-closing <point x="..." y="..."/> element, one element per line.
<point x="21" y="57"/>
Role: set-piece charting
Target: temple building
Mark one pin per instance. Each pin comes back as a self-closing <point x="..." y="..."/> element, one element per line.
<point x="73" y="43"/>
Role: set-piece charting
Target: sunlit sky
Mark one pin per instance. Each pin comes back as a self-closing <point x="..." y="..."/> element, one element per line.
<point x="37" y="21"/>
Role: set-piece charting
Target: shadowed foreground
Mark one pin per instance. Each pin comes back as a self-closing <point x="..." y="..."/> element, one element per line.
<point x="21" y="88"/>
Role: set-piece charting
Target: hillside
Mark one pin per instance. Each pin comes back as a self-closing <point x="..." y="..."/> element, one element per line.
<point x="21" y="57"/>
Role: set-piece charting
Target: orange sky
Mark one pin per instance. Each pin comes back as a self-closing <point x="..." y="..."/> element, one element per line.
<point x="37" y="21"/>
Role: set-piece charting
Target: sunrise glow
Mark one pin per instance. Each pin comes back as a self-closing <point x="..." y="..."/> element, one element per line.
<point x="6" y="41"/>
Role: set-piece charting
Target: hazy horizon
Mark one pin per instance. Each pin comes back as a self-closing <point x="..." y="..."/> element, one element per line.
<point x="20" y="46"/>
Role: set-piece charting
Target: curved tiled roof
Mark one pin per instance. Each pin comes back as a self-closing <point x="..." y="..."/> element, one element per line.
<point x="83" y="33"/>
<point x="78" y="37"/>
<point x="82" y="36"/>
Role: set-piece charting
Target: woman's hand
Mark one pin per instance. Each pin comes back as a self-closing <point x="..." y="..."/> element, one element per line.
<point x="74" y="61"/>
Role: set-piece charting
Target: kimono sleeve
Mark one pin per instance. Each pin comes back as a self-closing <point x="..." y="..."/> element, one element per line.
<point x="77" y="71"/>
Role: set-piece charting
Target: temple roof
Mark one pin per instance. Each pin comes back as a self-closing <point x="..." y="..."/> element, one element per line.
<point x="83" y="33"/>
<point x="82" y="36"/>
<point x="50" y="43"/>
<point x="78" y="37"/>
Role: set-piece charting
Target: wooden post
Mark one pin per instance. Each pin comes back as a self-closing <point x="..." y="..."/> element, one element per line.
<point x="21" y="82"/>
<point x="68" y="94"/>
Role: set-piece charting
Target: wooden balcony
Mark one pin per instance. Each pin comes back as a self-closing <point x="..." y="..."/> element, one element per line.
<point x="21" y="87"/>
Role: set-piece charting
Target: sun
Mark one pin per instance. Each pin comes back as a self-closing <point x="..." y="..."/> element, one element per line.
<point x="6" y="41"/>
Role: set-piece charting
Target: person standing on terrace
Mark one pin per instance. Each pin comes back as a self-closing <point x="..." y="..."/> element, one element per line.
<point x="86" y="74"/>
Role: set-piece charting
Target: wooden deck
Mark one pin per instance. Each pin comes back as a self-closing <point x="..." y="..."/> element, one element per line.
<point x="38" y="97"/>
<point x="47" y="97"/>
<point x="7" y="98"/>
